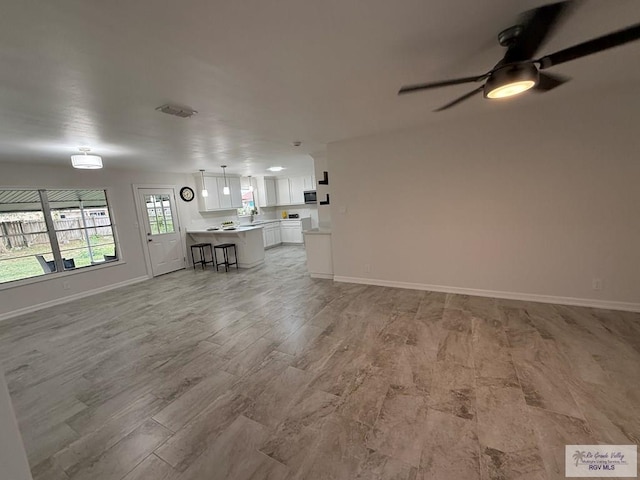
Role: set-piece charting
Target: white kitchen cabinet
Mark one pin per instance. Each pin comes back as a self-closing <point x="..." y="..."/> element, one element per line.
<point x="236" y="191"/>
<point x="283" y="192"/>
<point x="266" y="191"/>
<point x="291" y="190"/>
<point x="296" y="186"/>
<point x="211" y="201"/>
<point x="271" y="234"/>
<point x="288" y="231"/>
<point x="217" y="200"/>
<point x="309" y="182"/>
<point x="291" y="230"/>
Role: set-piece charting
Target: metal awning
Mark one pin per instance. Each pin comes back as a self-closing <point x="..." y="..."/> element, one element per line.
<point x="29" y="200"/>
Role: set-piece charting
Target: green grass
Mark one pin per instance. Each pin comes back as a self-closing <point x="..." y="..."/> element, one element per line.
<point x="26" y="265"/>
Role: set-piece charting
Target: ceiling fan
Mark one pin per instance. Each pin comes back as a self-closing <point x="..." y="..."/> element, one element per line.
<point x="519" y="71"/>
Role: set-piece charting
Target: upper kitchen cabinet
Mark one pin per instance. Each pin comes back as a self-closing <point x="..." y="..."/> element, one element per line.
<point x="291" y="190"/>
<point x="216" y="199"/>
<point x="283" y="191"/>
<point x="266" y="187"/>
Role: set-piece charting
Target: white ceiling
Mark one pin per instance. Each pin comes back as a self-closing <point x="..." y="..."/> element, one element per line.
<point x="262" y="74"/>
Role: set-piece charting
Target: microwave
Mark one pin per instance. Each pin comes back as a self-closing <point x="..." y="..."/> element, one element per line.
<point x="310" y="196"/>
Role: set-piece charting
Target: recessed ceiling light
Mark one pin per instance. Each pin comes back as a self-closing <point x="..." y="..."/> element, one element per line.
<point x="275" y="169"/>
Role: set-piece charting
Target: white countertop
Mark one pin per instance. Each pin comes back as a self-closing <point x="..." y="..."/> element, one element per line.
<point x="244" y="228"/>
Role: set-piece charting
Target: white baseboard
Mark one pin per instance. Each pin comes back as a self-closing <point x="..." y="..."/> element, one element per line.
<point x="69" y="298"/>
<point x="529" y="297"/>
<point x="322" y="275"/>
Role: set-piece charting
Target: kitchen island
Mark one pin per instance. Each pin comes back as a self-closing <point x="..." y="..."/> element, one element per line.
<point x="248" y="241"/>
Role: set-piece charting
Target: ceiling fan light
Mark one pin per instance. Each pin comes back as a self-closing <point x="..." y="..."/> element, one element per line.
<point x="511" y="80"/>
<point x="511" y="89"/>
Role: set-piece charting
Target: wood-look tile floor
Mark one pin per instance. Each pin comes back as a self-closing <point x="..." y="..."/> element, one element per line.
<point x="268" y="374"/>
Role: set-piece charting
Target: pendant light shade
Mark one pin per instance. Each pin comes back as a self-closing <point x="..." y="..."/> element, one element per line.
<point x="84" y="161"/>
<point x="225" y="190"/>
<point x="203" y="192"/>
<point x="250" y="184"/>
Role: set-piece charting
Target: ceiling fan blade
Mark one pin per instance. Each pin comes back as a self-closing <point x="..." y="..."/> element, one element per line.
<point x="590" y="47"/>
<point x="444" y="83"/>
<point x="537" y="26"/>
<point x="548" y="82"/>
<point x="461" y="99"/>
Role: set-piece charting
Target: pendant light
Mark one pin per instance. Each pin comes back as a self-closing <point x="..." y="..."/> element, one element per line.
<point x="204" y="192"/>
<point x="225" y="190"/>
<point x="85" y="161"/>
<point x="250" y="184"/>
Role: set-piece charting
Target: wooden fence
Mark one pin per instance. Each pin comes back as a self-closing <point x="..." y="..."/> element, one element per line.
<point x="28" y="233"/>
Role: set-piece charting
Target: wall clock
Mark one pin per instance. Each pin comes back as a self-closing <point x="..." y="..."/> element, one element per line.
<point x="186" y="194"/>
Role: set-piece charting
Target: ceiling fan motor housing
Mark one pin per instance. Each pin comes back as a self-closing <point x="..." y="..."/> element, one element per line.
<point x="511" y="74"/>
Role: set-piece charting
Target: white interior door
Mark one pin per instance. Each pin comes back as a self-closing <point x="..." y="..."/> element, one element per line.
<point x="162" y="229"/>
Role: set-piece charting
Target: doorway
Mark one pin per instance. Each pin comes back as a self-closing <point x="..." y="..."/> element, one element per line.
<point x="161" y="230"/>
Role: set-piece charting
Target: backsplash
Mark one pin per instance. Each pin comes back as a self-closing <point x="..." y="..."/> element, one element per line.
<point x="209" y="219"/>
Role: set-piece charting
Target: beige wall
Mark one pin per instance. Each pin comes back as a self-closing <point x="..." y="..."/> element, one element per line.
<point x="538" y="202"/>
<point x="119" y="185"/>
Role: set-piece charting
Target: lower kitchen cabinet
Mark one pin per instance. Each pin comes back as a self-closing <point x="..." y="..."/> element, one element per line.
<point x="285" y="231"/>
<point x="291" y="232"/>
<point x="271" y="234"/>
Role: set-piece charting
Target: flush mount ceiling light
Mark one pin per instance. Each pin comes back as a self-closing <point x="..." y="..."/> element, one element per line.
<point x="225" y="190"/>
<point x="275" y="169"/>
<point x="511" y="80"/>
<point x="84" y="161"/>
<point x="203" y="192"/>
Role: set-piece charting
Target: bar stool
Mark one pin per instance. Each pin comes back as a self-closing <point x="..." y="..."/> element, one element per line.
<point x="203" y="258"/>
<point x="225" y="251"/>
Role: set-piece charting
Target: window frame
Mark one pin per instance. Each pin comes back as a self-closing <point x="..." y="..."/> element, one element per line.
<point x="53" y="238"/>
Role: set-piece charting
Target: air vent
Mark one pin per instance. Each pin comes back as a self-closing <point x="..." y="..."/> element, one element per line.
<point x="182" y="112"/>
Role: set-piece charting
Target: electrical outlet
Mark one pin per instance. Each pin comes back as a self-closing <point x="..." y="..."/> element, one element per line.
<point x="367" y="268"/>
<point x="596" y="283"/>
<point x="66" y="286"/>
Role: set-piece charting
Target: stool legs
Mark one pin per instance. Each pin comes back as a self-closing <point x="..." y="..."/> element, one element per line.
<point x="203" y="255"/>
<point x="225" y="255"/>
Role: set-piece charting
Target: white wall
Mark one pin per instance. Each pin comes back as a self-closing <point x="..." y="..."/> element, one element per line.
<point x="13" y="459"/>
<point x="119" y="185"/>
<point x="537" y="200"/>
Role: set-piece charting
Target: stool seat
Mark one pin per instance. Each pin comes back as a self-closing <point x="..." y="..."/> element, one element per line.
<point x="225" y="252"/>
<point x="201" y="247"/>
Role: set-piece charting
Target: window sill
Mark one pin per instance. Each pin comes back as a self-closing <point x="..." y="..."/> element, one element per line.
<point x="54" y="276"/>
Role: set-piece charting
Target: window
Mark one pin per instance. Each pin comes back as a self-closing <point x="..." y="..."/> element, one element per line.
<point x="46" y="231"/>
<point x="159" y="213"/>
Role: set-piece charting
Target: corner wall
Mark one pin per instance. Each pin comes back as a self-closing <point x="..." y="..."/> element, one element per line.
<point x="529" y="201"/>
